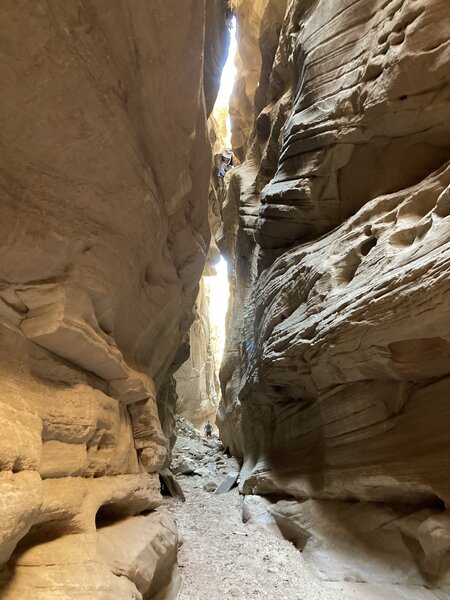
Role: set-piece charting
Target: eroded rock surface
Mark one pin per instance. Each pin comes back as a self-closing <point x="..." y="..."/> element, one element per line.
<point x="336" y="374"/>
<point x="104" y="168"/>
<point x="197" y="380"/>
<point x="197" y="383"/>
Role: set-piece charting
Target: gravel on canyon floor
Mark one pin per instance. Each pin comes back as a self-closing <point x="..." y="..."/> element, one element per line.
<point x="220" y="557"/>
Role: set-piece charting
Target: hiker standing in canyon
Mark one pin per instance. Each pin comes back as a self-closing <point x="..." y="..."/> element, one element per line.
<point x="208" y="429"/>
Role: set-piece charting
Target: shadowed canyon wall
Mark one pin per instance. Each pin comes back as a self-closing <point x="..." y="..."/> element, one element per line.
<point x="335" y="378"/>
<point x="104" y="167"/>
<point x="197" y="381"/>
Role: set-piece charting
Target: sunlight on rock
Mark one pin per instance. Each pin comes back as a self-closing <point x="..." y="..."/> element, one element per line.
<point x="218" y="288"/>
<point x="221" y="108"/>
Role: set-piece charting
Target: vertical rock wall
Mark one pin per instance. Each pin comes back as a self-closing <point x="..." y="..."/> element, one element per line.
<point x="336" y="374"/>
<point x="104" y="170"/>
<point x="196" y="380"/>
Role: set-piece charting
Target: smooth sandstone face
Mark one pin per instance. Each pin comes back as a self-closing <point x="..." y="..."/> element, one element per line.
<point x="197" y="384"/>
<point x="336" y="374"/>
<point x="104" y="231"/>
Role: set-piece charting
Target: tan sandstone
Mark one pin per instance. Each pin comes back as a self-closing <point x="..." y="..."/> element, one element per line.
<point x="104" y="167"/>
<point x="336" y="373"/>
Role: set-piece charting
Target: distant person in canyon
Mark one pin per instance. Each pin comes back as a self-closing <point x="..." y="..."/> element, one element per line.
<point x="226" y="163"/>
<point x="208" y="429"/>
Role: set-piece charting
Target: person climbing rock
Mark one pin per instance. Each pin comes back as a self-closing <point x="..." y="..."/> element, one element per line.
<point x="208" y="429"/>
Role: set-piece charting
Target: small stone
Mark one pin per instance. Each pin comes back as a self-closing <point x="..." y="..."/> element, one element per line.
<point x="186" y="467"/>
<point x="210" y="486"/>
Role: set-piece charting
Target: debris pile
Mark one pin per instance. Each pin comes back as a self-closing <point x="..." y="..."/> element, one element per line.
<point x="203" y="460"/>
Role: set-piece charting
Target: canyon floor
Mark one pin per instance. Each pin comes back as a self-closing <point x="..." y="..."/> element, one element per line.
<point x="222" y="558"/>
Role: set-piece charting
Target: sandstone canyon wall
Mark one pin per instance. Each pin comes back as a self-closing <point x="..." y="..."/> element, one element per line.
<point x="197" y="384"/>
<point x="105" y="164"/>
<point x="336" y="379"/>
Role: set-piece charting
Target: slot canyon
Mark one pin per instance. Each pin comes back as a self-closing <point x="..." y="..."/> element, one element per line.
<point x="319" y="195"/>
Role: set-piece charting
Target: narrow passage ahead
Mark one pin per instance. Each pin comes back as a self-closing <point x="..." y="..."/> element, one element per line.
<point x="221" y="558"/>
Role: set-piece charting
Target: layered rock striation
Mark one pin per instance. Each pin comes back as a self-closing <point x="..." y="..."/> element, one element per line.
<point x="336" y="373"/>
<point x="105" y="165"/>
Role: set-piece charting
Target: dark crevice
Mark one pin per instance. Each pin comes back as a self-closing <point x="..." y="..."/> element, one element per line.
<point x="367" y="246"/>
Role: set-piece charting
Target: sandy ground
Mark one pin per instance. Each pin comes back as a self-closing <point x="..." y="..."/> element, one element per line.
<point x="221" y="558"/>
